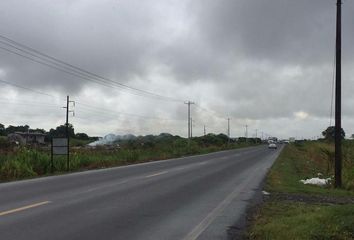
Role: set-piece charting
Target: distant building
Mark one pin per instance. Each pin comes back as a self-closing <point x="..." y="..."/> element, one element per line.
<point x="26" y="138"/>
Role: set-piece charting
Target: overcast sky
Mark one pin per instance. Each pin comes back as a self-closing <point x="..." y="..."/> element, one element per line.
<point x="267" y="64"/>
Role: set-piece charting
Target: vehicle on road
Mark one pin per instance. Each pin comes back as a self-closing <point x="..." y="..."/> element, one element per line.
<point x="272" y="146"/>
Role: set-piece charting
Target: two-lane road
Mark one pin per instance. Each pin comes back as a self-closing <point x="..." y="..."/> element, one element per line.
<point x="189" y="198"/>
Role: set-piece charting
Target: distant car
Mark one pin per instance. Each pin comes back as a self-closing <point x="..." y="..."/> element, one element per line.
<point x="272" y="146"/>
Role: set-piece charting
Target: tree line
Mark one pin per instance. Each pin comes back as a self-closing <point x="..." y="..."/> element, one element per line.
<point x="59" y="131"/>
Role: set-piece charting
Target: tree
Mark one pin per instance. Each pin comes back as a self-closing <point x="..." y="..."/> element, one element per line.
<point x="2" y="130"/>
<point x="82" y="136"/>
<point x="13" y="129"/>
<point x="60" y="131"/>
<point x="328" y="134"/>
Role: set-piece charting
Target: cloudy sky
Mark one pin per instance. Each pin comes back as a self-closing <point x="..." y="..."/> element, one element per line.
<point x="267" y="64"/>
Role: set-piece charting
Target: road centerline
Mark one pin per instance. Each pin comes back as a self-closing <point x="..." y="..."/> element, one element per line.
<point x="156" y="174"/>
<point x="23" y="208"/>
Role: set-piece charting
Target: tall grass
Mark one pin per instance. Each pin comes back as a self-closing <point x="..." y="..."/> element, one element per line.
<point x="309" y="217"/>
<point x="26" y="163"/>
<point x="307" y="160"/>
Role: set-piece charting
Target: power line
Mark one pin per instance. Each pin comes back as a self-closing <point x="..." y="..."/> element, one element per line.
<point x="28" y="103"/>
<point x="212" y="113"/>
<point x="116" y="113"/>
<point x="68" y="68"/>
<point x="82" y="104"/>
<point x="132" y="129"/>
<point x="26" y="88"/>
<point x="66" y="71"/>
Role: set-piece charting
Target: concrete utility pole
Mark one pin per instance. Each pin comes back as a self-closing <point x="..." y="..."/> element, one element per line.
<point x="191" y="127"/>
<point x="228" y="129"/>
<point x="338" y="104"/>
<point x="189" y="117"/>
<point x="67" y="129"/>
<point x="246" y="132"/>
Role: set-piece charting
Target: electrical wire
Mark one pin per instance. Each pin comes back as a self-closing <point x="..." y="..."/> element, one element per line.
<point x="212" y="113"/>
<point x="116" y="113"/>
<point x="28" y="103"/>
<point x="55" y="63"/>
<point x="80" y="103"/>
<point x="68" y="68"/>
<point x="26" y="88"/>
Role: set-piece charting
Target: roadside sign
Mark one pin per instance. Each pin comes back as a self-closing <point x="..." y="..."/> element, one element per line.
<point x="60" y="146"/>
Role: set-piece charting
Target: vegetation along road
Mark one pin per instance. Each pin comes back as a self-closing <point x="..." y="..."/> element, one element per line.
<point x="196" y="197"/>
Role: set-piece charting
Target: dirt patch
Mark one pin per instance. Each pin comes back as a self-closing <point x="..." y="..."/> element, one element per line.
<point x="309" y="198"/>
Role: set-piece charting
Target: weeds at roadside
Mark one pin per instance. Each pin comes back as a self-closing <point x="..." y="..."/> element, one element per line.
<point x="297" y="211"/>
<point x="28" y="163"/>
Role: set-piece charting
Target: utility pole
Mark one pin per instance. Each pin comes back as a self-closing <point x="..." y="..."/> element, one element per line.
<point x="204" y="131"/>
<point x="191" y="127"/>
<point x="338" y="104"/>
<point x="246" y="132"/>
<point x="67" y="130"/>
<point x="256" y="134"/>
<point x="189" y="117"/>
<point x="228" y="129"/>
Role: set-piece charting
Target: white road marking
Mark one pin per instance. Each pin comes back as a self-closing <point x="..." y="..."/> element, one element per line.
<point x="156" y="174"/>
<point x="23" y="208"/>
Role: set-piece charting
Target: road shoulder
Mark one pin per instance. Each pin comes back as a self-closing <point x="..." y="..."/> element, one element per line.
<point x="293" y="210"/>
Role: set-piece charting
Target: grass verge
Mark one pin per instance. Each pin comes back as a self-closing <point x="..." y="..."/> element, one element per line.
<point x="298" y="220"/>
<point x="297" y="211"/>
<point x="26" y="162"/>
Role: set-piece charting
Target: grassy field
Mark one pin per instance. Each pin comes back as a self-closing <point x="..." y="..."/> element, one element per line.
<point x="307" y="160"/>
<point x="24" y="162"/>
<point x="297" y="211"/>
<point x="282" y="220"/>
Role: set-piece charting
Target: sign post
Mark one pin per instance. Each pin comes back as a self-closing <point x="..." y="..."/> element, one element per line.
<point x="60" y="146"/>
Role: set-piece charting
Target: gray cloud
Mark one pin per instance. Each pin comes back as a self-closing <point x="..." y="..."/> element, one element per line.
<point x="255" y="61"/>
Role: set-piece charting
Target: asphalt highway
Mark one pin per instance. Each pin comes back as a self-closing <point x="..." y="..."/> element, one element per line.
<point x="189" y="198"/>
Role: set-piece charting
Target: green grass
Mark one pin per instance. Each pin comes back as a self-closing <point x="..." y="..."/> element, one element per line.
<point x="304" y="161"/>
<point x="281" y="219"/>
<point x="301" y="221"/>
<point x="28" y="163"/>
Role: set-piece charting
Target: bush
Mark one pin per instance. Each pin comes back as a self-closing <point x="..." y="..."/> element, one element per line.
<point x="4" y="143"/>
<point x="25" y="162"/>
<point x="14" y="169"/>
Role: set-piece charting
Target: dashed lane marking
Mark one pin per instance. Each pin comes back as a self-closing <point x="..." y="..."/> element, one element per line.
<point x="23" y="208"/>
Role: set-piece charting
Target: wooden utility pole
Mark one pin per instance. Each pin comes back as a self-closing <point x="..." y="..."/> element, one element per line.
<point x="338" y="104"/>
